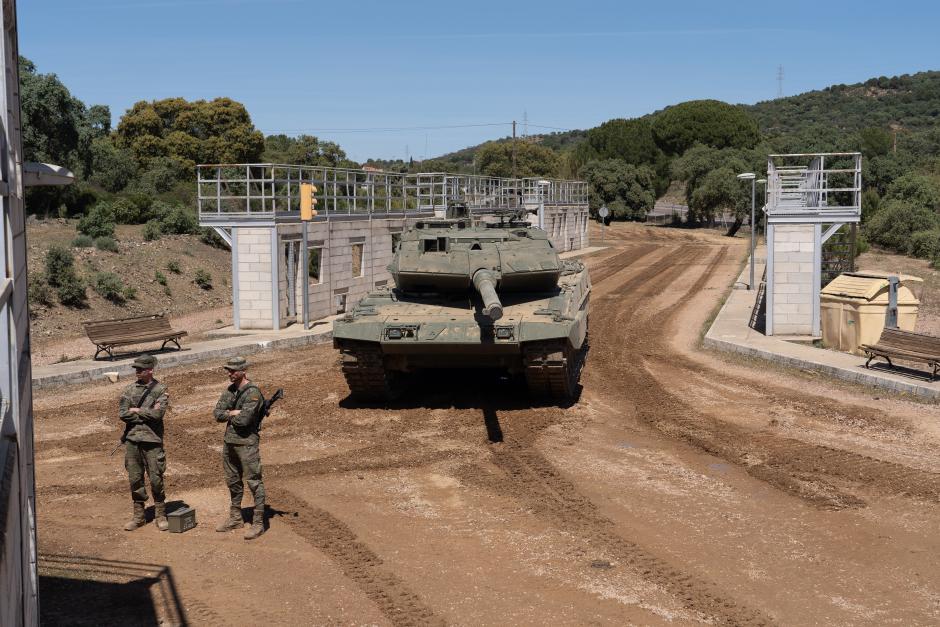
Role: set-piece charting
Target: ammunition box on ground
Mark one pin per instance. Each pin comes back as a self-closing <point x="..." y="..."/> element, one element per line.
<point x="182" y="519"/>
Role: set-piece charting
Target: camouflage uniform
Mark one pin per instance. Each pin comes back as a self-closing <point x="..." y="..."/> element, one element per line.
<point x="143" y="441"/>
<point x="241" y="457"/>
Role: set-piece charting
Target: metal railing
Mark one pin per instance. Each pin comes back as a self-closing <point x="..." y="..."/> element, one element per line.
<point x="265" y="191"/>
<point x="816" y="183"/>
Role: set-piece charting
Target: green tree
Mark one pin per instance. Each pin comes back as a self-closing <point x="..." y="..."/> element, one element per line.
<point x="187" y="133"/>
<point x="710" y="122"/>
<point x="628" y="190"/>
<point x="875" y="141"/>
<point x="897" y="221"/>
<point x="717" y="192"/>
<point x="628" y="140"/>
<point x="304" y="150"/>
<point x="917" y="190"/>
<point x="57" y="128"/>
<point x="495" y="159"/>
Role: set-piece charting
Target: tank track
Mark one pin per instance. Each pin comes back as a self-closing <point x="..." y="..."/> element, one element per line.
<point x="364" y="369"/>
<point x="552" y="369"/>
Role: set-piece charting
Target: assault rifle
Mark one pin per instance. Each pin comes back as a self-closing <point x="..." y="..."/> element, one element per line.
<point x="268" y="404"/>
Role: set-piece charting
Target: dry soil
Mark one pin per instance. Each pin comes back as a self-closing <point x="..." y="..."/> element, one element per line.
<point x="679" y="488"/>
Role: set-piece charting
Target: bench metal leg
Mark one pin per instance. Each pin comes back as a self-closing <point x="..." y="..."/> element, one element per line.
<point x="103" y="348"/>
<point x="178" y="347"/>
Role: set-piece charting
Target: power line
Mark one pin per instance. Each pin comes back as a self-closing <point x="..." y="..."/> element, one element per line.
<point x="386" y="129"/>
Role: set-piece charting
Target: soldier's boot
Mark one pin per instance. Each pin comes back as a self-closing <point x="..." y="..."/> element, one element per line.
<point x="139" y="519"/>
<point x="159" y="516"/>
<point x="257" y="524"/>
<point x="234" y="520"/>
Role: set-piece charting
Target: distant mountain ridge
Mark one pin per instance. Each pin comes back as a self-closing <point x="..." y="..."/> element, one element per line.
<point x="910" y="102"/>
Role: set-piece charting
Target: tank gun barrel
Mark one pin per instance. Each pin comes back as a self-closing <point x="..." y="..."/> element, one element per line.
<point x="485" y="283"/>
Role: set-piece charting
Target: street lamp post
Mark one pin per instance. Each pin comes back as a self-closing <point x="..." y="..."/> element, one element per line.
<point x="750" y="176"/>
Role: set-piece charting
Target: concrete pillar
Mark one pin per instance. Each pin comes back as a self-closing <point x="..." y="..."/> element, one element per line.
<point x="793" y="269"/>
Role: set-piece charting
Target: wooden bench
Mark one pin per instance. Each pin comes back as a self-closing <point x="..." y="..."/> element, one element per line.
<point x="905" y="345"/>
<point x="106" y="334"/>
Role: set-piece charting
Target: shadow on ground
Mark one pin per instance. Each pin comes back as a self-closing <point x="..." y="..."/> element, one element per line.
<point x="80" y="590"/>
<point x="472" y="388"/>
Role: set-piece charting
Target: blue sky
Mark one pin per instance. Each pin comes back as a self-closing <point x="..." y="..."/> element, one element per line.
<point x="343" y="70"/>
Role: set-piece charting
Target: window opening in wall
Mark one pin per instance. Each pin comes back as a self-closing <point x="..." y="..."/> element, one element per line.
<point x="357" y="265"/>
<point x="314" y="264"/>
<point x="340" y="303"/>
<point x="396" y="239"/>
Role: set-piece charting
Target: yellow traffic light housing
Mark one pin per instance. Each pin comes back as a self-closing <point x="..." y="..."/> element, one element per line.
<point x="308" y="201"/>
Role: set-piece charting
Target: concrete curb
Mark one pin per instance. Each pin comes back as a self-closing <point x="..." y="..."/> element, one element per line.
<point x="183" y="358"/>
<point x="864" y="377"/>
<point x="723" y="335"/>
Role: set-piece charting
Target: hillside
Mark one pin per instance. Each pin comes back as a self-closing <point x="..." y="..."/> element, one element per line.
<point x="57" y="330"/>
<point x="909" y="104"/>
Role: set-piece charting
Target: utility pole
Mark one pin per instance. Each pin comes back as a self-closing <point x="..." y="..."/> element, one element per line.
<point x="513" y="149"/>
<point x="779" y="81"/>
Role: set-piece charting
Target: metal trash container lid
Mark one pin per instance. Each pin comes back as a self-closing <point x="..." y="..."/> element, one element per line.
<point x="870" y="287"/>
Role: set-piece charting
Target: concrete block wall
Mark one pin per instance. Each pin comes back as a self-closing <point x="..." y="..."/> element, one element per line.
<point x="255" y="272"/>
<point x="794" y="278"/>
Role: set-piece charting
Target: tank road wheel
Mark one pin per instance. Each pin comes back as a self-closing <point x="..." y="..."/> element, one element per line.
<point x="364" y="369"/>
<point x="552" y="369"/>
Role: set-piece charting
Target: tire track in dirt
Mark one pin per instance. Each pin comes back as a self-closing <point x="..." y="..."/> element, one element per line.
<point x="662" y="410"/>
<point x="526" y="475"/>
<point x="358" y="562"/>
<point x="804" y="462"/>
<point x="790" y="465"/>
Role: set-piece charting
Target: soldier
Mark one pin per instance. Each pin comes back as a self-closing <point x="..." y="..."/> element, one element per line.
<point x="142" y="407"/>
<point x="241" y="405"/>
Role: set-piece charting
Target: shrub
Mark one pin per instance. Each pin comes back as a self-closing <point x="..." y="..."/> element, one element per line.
<point x="98" y="222"/>
<point x="152" y="231"/>
<point x="60" y="265"/>
<point x="39" y="292"/>
<point x="130" y="292"/>
<point x="210" y="237"/>
<point x="71" y="291"/>
<point x="160" y="277"/>
<point x="861" y="245"/>
<point x="179" y="221"/>
<point x="126" y="212"/>
<point x="108" y="244"/>
<point x="926" y="244"/>
<point x="83" y="241"/>
<point x="895" y="223"/>
<point x="166" y="290"/>
<point x="203" y="279"/>
<point x="174" y="267"/>
<point x="109" y="286"/>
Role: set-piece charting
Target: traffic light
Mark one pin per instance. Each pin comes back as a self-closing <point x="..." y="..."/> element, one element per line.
<point x="308" y="201"/>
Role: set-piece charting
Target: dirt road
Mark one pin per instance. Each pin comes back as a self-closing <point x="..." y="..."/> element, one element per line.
<point x="680" y="488"/>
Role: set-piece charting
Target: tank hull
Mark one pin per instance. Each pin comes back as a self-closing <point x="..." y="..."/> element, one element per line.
<point x="541" y="335"/>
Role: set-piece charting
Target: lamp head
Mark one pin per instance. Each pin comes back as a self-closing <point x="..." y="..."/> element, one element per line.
<point x="747" y="176"/>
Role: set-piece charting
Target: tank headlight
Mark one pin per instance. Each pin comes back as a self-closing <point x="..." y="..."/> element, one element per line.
<point x="503" y="333"/>
<point x="394" y="334"/>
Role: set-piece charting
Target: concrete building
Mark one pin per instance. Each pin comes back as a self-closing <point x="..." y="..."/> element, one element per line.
<point x="286" y="271"/>
<point x="810" y="197"/>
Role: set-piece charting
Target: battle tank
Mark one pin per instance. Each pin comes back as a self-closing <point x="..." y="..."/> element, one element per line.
<point x="487" y="294"/>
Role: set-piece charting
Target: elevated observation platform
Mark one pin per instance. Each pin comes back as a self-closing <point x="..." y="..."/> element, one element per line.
<point x="810" y="197"/>
<point x="259" y="193"/>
